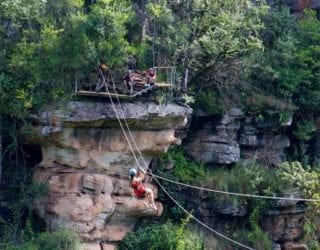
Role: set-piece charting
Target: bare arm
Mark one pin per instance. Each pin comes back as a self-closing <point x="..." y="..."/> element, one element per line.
<point x="140" y="177"/>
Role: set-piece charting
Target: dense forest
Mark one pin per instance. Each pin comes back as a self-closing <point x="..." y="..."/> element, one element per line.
<point x="247" y="54"/>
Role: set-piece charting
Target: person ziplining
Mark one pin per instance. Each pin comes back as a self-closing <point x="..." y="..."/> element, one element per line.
<point x="139" y="190"/>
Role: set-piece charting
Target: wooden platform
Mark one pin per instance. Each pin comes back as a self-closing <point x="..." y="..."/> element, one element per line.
<point x="114" y="95"/>
<point x="163" y="85"/>
<point x="103" y="94"/>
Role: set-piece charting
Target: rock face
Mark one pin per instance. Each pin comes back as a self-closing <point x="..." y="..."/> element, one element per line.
<point x="285" y="224"/>
<point x="85" y="162"/>
<point x="216" y="140"/>
<point x="97" y="207"/>
<point x="234" y="136"/>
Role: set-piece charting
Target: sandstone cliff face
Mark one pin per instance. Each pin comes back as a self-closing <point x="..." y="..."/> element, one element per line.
<point x="86" y="159"/>
<point x="234" y="136"/>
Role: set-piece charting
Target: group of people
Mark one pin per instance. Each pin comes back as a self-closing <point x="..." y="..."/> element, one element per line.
<point x="131" y="78"/>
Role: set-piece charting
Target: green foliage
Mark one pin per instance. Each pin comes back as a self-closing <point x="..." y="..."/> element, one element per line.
<point x="259" y="238"/>
<point x="310" y="235"/>
<point x="304" y="130"/>
<point x="61" y="41"/>
<point x="293" y="175"/>
<point x="162" y="237"/>
<point x="59" y="240"/>
<point x="17" y="225"/>
<point x="209" y="102"/>
<point x="307" y="60"/>
<point x="184" y="170"/>
<point x="251" y="178"/>
<point x="284" y="117"/>
<point x="270" y="71"/>
<point x="222" y="33"/>
<point x="187" y="99"/>
<point x="288" y="67"/>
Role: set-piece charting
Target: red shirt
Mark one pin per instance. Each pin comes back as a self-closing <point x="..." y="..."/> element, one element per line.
<point x="138" y="188"/>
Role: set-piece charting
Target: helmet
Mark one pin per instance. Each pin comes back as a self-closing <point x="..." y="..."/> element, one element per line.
<point x="132" y="172"/>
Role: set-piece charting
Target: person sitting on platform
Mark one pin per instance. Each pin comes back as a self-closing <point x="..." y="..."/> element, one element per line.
<point x="150" y="77"/>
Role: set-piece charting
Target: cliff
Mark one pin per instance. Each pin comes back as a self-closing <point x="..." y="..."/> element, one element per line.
<point x="85" y="162"/>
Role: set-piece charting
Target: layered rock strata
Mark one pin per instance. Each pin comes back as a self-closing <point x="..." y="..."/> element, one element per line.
<point x="86" y="158"/>
<point x="234" y="136"/>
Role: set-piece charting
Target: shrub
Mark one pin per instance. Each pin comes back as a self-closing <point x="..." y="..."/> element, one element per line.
<point x="304" y="130"/>
<point x="58" y="240"/>
<point x="184" y="170"/>
<point x="251" y="178"/>
<point x="259" y="238"/>
<point x="310" y="235"/>
<point x="208" y="101"/>
<point x="293" y="175"/>
<point x="162" y="237"/>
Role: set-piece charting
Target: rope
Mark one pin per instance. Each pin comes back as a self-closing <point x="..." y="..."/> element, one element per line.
<point x="155" y="178"/>
<point x="128" y="128"/>
<point x="236" y="194"/>
<point x="122" y="128"/>
<point x="200" y="222"/>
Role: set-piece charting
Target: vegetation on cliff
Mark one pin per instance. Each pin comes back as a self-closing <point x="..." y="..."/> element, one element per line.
<point x="290" y="178"/>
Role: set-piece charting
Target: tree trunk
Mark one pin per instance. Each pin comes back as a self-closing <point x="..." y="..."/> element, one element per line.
<point x="144" y="31"/>
<point x="184" y="84"/>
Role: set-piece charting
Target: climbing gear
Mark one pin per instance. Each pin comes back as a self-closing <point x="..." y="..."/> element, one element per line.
<point x="132" y="172"/>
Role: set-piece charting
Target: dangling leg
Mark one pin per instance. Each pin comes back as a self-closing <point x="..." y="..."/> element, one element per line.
<point x="150" y="196"/>
<point x="131" y="87"/>
<point x="133" y="195"/>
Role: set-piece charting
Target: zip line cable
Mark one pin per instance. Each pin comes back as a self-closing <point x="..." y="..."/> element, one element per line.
<point x="200" y="222"/>
<point x="117" y="116"/>
<point x="128" y="128"/>
<point x="234" y="193"/>
<point x="146" y="165"/>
